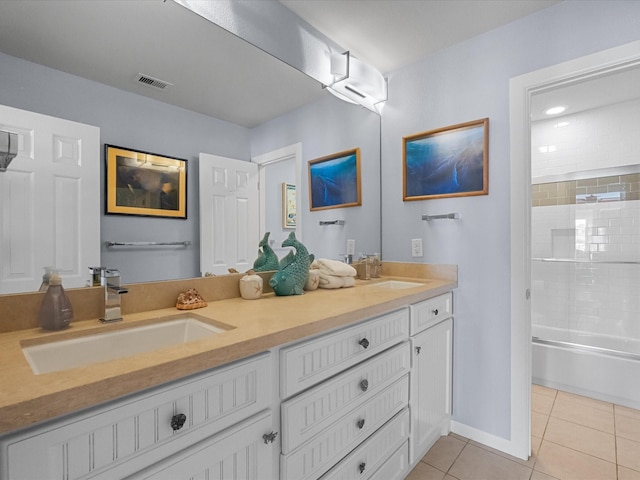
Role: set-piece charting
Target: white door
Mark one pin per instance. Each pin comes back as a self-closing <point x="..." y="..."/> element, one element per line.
<point x="228" y="214"/>
<point x="49" y="201"/>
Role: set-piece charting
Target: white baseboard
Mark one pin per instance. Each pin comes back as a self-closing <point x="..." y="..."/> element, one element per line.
<point x="485" y="438"/>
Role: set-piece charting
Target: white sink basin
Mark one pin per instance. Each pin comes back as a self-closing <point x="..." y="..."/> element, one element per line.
<point x="396" y="284"/>
<point x="88" y="349"/>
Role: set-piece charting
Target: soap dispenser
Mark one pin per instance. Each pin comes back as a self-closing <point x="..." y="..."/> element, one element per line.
<point x="45" y="279"/>
<point x="56" y="311"/>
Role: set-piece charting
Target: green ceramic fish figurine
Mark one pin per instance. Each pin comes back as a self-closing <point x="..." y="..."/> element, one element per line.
<point x="291" y="277"/>
<point x="267" y="258"/>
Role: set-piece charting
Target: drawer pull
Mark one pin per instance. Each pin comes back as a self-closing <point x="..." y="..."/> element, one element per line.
<point x="435" y="312"/>
<point x="361" y="467"/>
<point x="177" y="421"/>
<point x="364" y="343"/>
<point x="270" y="437"/>
<point x="418" y="350"/>
<point x="364" y="385"/>
<point x="360" y="423"/>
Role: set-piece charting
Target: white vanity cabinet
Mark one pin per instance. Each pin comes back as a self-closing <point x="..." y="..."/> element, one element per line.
<point x="186" y="419"/>
<point x="431" y="373"/>
<point x="358" y="380"/>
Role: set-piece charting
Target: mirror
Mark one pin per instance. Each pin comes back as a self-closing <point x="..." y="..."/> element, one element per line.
<point x="134" y="116"/>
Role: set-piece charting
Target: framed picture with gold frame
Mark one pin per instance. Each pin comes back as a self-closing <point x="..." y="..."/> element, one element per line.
<point x="143" y="183"/>
<point x="288" y="205"/>
<point x="334" y="181"/>
<point x="446" y="162"/>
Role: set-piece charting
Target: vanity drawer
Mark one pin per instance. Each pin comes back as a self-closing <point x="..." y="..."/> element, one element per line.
<point x="309" y="362"/>
<point x="107" y="436"/>
<point x="429" y="312"/>
<point x="305" y="415"/>
<point x="383" y="456"/>
<point x="327" y="448"/>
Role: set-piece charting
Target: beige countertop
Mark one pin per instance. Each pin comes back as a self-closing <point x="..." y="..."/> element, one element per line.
<point x="255" y="326"/>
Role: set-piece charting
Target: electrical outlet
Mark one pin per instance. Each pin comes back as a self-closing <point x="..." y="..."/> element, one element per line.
<point x="351" y="247"/>
<point x="416" y="247"/>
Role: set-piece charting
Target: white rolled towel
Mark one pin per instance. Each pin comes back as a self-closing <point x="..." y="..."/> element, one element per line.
<point x="335" y="268"/>
<point x="333" y="281"/>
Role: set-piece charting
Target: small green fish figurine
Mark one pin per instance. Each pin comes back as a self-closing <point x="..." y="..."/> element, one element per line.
<point x="292" y="276"/>
<point x="267" y="258"/>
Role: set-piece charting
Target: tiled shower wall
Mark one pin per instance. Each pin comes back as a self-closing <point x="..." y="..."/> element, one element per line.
<point x="583" y="229"/>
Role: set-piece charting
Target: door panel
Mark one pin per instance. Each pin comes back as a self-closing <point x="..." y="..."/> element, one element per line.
<point x="229" y="211"/>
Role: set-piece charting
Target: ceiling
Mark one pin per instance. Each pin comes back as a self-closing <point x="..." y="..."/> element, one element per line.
<point x="210" y="70"/>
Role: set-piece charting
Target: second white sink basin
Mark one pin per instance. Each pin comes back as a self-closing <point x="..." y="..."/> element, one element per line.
<point x="88" y="349"/>
<point x="396" y="284"/>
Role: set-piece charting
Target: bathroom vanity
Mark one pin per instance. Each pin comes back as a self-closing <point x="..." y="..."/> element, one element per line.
<point x="339" y="384"/>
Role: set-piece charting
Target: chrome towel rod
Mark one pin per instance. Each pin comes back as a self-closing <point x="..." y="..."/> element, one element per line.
<point x="452" y="216"/>
<point x="331" y="222"/>
<point x="146" y="244"/>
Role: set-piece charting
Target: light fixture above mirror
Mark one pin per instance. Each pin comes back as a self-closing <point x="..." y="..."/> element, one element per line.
<point x="357" y="82"/>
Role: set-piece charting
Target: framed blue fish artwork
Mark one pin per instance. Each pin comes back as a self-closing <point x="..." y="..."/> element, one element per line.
<point x="447" y="162"/>
<point x="334" y="181"/>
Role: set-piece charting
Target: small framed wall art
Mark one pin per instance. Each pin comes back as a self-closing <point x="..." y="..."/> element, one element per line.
<point x="334" y="181"/>
<point x="447" y="162"/>
<point x="142" y="183"/>
<point x="288" y="205"/>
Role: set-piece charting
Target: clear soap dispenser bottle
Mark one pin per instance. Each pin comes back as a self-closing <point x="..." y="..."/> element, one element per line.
<point x="56" y="311"/>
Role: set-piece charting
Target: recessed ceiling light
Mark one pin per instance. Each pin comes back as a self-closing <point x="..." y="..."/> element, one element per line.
<point x="556" y="110"/>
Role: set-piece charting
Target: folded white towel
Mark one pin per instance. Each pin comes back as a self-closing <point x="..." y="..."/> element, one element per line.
<point x="335" y="268"/>
<point x="333" y="281"/>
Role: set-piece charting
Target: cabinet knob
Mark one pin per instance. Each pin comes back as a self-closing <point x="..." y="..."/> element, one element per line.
<point x="177" y="421"/>
<point x="361" y="467"/>
<point x="364" y="385"/>
<point x="435" y="312"/>
<point x="418" y="350"/>
<point x="360" y="423"/>
<point x="364" y="343"/>
<point x="270" y="437"/>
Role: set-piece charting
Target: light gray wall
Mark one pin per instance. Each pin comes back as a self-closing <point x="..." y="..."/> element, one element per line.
<point x="325" y="127"/>
<point x="466" y="82"/>
<point x="131" y="121"/>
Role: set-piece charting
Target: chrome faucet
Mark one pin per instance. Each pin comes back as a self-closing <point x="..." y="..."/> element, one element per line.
<point x="110" y="279"/>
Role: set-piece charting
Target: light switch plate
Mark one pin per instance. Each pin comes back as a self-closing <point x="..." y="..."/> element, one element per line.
<point x="416" y="247"/>
<point x="351" y="247"/>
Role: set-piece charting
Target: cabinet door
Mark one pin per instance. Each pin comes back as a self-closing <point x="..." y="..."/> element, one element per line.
<point x="242" y="452"/>
<point x="430" y="401"/>
<point x="122" y="437"/>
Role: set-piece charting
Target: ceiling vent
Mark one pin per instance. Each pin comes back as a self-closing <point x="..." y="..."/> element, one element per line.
<point x="149" y="81"/>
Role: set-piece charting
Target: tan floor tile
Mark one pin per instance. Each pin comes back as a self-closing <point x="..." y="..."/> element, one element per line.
<point x="541" y="403"/>
<point x="567" y="464"/>
<point x="541" y="476"/>
<point x="538" y="424"/>
<point x="586" y="401"/>
<point x="584" y="439"/>
<point x="449" y="477"/>
<point x="625" y="473"/>
<point x="529" y="462"/>
<point x="444" y="452"/>
<point x="628" y="453"/>
<point x="535" y="446"/>
<point x="459" y="437"/>
<point x="422" y="471"/>
<point x="549" y="392"/>
<point x="626" y="411"/>
<point x="584" y="411"/>
<point x="628" y="427"/>
<point x="474" y="463"/>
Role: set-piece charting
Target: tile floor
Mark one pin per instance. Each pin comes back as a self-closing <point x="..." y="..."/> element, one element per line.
<point x="572" y="438"/>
